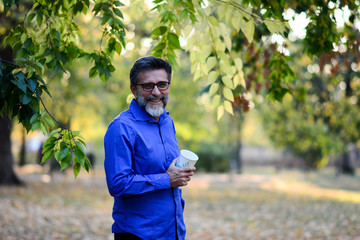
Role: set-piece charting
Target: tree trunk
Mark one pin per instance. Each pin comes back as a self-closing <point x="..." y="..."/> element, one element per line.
<point x="346" y="166"/>
<point x="7" y="174"/>
<point x="238" y="145"/>
<point x="22" y="157"/>
<point x="239" y="164"/>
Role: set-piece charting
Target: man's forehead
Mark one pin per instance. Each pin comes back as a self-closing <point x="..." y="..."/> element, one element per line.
<point x="156" y="74"/>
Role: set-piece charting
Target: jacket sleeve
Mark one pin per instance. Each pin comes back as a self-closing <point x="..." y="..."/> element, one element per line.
<point x="120" y="177"/>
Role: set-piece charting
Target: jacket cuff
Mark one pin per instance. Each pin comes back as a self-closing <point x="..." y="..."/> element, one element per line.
<point x="162" y="181"/>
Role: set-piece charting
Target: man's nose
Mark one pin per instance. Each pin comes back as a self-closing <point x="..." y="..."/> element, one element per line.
<point x="155" y="91"/>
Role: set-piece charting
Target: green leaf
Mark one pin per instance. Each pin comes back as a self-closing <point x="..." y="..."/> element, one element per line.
<point x="63" y="152"/>
<point x="75" y="133"/>
<point x="66" y="161"/>
<point x="80" y="146"/>
<point x="79" y="156"/>
<point x="43" y="127"/>
<point x="105" y="19"/>
<point x="159" y="47"/>
<point x="82" y="141"/>
<point x="34" y="118"/>
<point x="35" y="125"/>
<point x="159" y="31"/>
<point x="54" y="132"/>
<point x="25" y="99"/>
<point x="174" y="40"/>
<point x="40" y="66"/>
<point x="171" y="59"/>
<point x="118" y="47"/>
<point x="27" y="43"/>
<point x="20" y="83"/>
<point x="93" y="72"/>
<point x="56" y="155"/>
<point x="118" y="3"/>
<point x="49" y="121"/>
<point x="77" y="168"/>
<point x="87" y="164"/>
<point x="47" y="156"/>
<point x="47" y="148"/>
<point x="50" y="141"/>
<point x="31" y="85"/>
<point x="30" y="17"/>
<point x="118" y="13"/>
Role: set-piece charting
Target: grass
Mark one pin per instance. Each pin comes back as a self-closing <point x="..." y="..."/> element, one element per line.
<point x="258" y="204"/>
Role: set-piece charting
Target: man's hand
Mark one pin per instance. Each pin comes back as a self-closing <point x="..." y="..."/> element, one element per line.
<point x="179" y="177"/>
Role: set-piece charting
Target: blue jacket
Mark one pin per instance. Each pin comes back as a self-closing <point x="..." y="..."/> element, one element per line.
<point x="138" y="151"/>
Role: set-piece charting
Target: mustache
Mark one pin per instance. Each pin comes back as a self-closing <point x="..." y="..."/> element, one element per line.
<point x="151" y="97"/>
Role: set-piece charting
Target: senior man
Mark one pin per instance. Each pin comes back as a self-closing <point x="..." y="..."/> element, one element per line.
<point x="140" y="154"/>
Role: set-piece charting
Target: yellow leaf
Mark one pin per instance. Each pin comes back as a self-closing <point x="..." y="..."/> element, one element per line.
<point x="228" y="107"/>
<point x="189" y="43"/>
<point x="203" y="68"/>
<point x="236" y="21"/>
<point x="211" y="63"/>
<point x="194" y="67"/>
<point x="227" y="41"/>
<point x="228" y="82"/>
<point x="242" y="79"/>
<point x="228" y="94"/>
<point x="187" y="31"/>
<point x="226" y="68"/>
<point x="220" y="112"/>
<point x="236" y="80"/>
<point x="221" y="11"/>
<point x="193" y="57"/>
<point x="249" y="30"/>
<point x="238" y="64"/>
<point x="219" y="45"/>
<point x="17" y="70"/>
<point x="216" y="101"/>
<point x="213" y="21"/>
<point x="197" y="75"/>
<point x="271" y="25"/>
<point x="213" y="89"/>
<point x="229" y="16"/>
<point x="213" y="75"/>
<point x="206" y="51"/>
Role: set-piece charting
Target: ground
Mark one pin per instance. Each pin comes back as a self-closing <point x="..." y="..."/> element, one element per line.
<point x="259" y="204"/>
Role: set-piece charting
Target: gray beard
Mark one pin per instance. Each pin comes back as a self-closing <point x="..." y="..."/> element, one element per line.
<point x="157" y="110"/>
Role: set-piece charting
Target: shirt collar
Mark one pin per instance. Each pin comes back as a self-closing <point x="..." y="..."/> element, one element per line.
<point x="141" y="115"/>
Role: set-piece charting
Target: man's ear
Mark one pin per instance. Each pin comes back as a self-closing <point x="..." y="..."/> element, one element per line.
<point x="133" y="90"/>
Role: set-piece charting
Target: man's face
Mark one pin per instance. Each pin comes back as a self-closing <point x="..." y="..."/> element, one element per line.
<point x="154" y="101"/>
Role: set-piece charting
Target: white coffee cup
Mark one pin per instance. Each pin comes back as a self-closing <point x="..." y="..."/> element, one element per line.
<point x="187" y="158"/>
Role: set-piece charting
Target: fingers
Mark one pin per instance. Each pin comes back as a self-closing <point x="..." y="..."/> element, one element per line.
<point x="174" y="161"/>
<point x="189" y="169"/>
